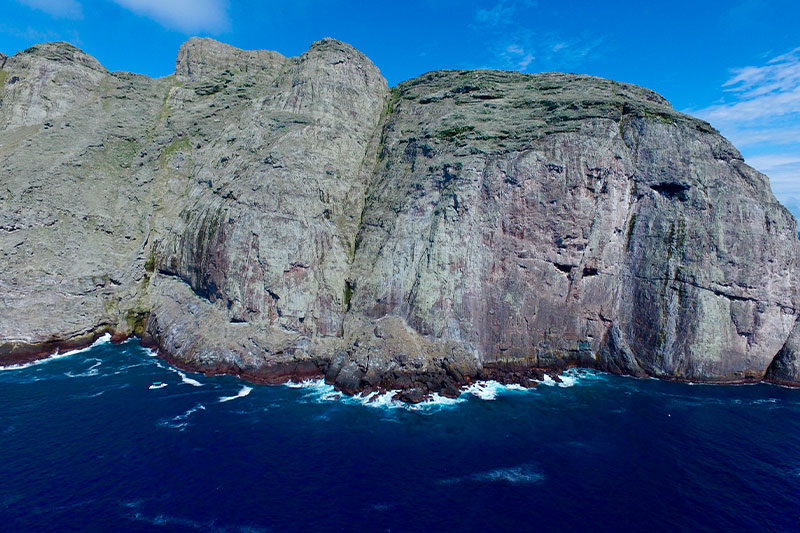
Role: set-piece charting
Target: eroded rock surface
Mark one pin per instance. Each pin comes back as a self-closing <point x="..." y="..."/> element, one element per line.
<point x="281" y="217"/>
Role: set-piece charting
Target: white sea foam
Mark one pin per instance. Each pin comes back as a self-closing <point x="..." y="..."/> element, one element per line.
<point x="180" y="422"/>
<point x="485" y="390"/>
<point x="571" y="377"/>
<point x="435" y="402"/>
<point x="320" y="392"/>
<point x="378" y="400"/>
<point x="125" y="369"/>
<point x="245" y="390"/>
<point x="172" y="522"/>
<point x="150" y="352"/>
<point x="189" y="381"/>
<point x="516" y="475"/>
<point x="169" y="522"/>
<point x="490" y="390"/>
<point x="104" y="339"/>
<point x="386" y="400"/>
<point x="91" y="371"/>
<point x="765" y="400"/>
<point x="567" y="381"/>
<point x="184" y="378"/>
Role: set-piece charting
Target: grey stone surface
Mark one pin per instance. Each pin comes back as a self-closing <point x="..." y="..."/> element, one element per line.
<point x="255" y="212"/>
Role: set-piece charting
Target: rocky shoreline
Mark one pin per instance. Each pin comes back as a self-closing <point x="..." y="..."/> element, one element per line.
<point x="418" y="391"/>
<point x="21" y="353"/>
<point x="285" y="218"/>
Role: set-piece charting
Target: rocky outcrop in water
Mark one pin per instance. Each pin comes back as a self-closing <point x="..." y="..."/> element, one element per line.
<point x="281" y="217"/>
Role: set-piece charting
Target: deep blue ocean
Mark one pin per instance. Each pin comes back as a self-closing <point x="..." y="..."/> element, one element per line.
<point x="87" y="445"/>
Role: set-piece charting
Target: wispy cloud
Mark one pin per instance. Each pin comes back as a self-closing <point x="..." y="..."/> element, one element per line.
<point x="69" y="9"/>
<point x="517" y="57"/>
<point x="761" y="115"/>
<point x="187" y="16"/>
<point x="528" y="51"/>
<point x="33" y="35"/>
<point x="763" y="99"/>
<point x="497" y="15"/>
<point x="513" y="43"/>
<point x="501" y="14"/>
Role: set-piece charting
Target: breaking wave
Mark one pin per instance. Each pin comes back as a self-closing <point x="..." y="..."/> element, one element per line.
<point x="490" y="390"/>
<point x="104" y="339"/>
<point x="184" y="378"/>
<point x="317" y="391"/>
<point x="245" y="390"/>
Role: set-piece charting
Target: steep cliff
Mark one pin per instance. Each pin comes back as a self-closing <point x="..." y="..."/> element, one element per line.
<point x="276" y="217"/>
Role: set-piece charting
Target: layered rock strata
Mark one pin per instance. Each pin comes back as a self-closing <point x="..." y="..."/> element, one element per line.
<point x="282" y="218"/>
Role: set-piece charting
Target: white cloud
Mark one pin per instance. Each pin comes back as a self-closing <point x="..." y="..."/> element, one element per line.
<point x="69" y="9"/>
<point x="501" y="14"/>
<point x="514" y="45"/>
<point x="523" y="49"/>
<point x="774" y="161"/>
<point x="187" y="16"/>
<point x="517" y="57"/>
<point x="760" y="114"/>
<point x="33" y="35"/>
<point x="759" y="93"/>
<point x="498" y="15"/>
<point x="777" y="136"/>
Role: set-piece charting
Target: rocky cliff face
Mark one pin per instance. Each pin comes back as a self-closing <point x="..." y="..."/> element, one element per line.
<point x="276" y="217"/>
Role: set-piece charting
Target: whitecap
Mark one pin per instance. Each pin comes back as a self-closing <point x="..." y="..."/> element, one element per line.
<point x="485" y="390"/>
<point x="184" y="378"/>
<point x="181" y="421"/>
<point x="490" y="390"/>
<point x="103" y="391"/>
<point x="245" y="390"/>
<point x="386" y="400"/>
<point x="105" y="338"/>
<point x="435" y="402"/>
<point x="379" y="400"/>
<point x="91" y="371"/>
<point x="318" y="390"/>
<point x="571" y="377"/>
<point x="168" y="521"/>
<point x="125" y="369"/>
<point x="150" y="352"/>
<point x="189" y="381"/>
<point x="765" y="400"/>
<point x="567" y="381"/>
<point x="516" y="475"/>
<point x="321" y="392"/>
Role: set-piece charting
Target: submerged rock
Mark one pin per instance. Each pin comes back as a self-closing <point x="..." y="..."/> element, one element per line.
<point x="282" y="218"/>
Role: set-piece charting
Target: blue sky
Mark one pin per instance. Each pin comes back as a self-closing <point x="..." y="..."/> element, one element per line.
<point x="735" y="63"/>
